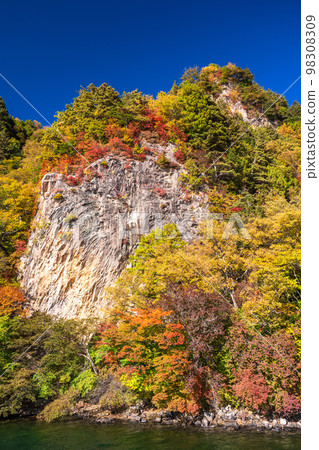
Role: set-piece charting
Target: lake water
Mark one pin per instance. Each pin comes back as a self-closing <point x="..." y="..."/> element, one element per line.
<point x="25" y="435"/>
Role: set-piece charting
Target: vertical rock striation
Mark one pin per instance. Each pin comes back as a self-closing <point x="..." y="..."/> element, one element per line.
<point x="82" y="236"/>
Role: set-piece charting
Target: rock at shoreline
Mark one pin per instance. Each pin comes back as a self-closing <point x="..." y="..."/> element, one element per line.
<point x="225" y="418"/>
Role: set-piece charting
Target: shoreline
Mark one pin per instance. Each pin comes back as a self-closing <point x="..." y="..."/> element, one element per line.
<point x="226" y="419"/>
<point x="169" y="419"/>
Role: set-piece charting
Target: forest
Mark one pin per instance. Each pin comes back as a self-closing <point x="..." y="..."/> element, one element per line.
<point x="194" y="325"/>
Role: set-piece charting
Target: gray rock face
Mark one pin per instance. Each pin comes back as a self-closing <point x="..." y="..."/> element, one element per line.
<point x="252" y="116"/>
<point x="82" y="236"/>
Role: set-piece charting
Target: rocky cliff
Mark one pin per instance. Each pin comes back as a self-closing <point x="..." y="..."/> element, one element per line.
<point x="82" y="236"/>
<point x="230" y="98"/>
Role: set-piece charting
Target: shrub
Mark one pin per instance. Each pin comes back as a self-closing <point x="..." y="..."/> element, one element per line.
<point x="140" y="156"/>
<point x="11" y="300"/>
<point x="58" y="197"/>
<point x="179" y="156"/>
<point x="262" y="378"/>
<point x="96" y="152"/>
<point x="71" y="218"/>
<point x="117" y="398"/>
<point x="163" y="161"/>
<point x="16" y="392"/>
<point x="117" y="146"/>
<point x="60" y="408"/>
<point x="65" y="234"/>
<point x="85" y="382"/>
<point x="251" y="389"/>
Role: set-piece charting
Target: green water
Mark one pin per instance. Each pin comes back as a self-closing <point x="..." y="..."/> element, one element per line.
<point x="25" y="435"/>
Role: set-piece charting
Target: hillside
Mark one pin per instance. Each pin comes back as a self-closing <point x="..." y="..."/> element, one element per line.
<point x="171" y="228"/>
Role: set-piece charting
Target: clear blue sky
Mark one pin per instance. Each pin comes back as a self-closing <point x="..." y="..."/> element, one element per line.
<point x="50" y="49"/>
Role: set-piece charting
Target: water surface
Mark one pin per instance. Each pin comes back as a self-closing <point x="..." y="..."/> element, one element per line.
<point x="27" y="435"/>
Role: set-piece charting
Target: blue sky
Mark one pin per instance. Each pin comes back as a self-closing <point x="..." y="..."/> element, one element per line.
<point x="50" y="49"/>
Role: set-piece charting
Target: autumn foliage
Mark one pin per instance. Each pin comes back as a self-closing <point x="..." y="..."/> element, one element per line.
<point x="266" y="369"/>
<point x="149" y="352"/>
<point x="195" y="325"/>
<point x="11" y="300"/>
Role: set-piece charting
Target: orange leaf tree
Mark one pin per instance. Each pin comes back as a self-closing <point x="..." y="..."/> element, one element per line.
<point x="149" y="353"/>
<point x="11" y="300"/>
